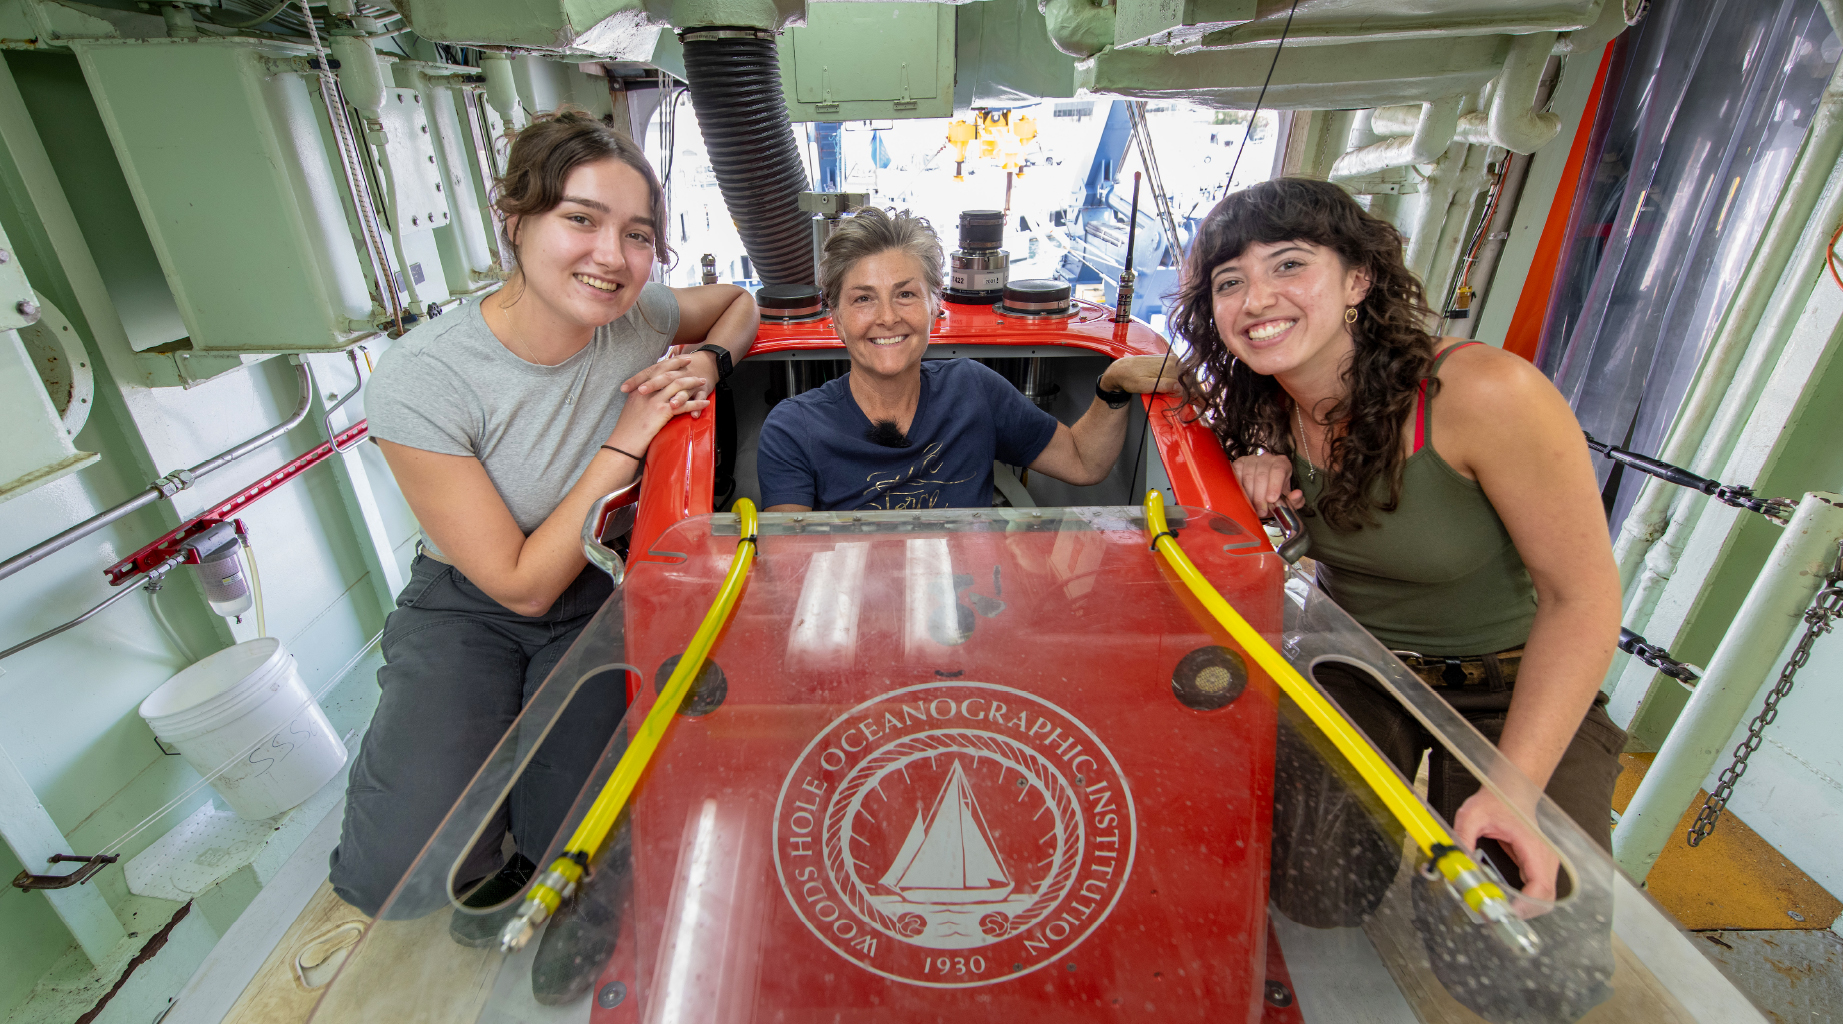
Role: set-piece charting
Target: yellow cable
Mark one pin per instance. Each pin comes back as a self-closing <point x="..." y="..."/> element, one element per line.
<point x="1421" y="824"/>
<point x="554" y="885"/>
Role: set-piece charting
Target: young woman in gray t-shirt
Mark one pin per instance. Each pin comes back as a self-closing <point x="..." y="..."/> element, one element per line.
<point x="502" y="422"/>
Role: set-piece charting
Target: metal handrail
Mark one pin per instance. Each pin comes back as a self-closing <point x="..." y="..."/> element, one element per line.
<point x="611" y="516"/>
<point x="1292" y="530"/>
<point x="326" y="422"/>
<point x="166" y="486"/>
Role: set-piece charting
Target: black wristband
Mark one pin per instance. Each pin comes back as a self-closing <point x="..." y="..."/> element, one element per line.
<point x="641" y="459"/>
<point x="1114" y="399"/>
<point x="724" y="365"/>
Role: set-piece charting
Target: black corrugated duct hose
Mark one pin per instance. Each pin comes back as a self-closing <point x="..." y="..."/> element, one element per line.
<point x="735" y="83"/>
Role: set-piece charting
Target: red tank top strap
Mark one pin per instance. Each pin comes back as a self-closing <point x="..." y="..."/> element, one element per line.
<point x="1420" y="401"/>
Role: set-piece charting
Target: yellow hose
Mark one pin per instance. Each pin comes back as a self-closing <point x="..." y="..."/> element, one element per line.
<point x="1422" y="826"/>
<point x="556" y="883"/>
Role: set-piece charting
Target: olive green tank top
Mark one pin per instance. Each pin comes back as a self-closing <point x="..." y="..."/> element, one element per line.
<point x="1439" y="575"/>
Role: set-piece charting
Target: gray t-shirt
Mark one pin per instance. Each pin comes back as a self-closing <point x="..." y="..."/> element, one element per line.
<point x="449" y="386"/>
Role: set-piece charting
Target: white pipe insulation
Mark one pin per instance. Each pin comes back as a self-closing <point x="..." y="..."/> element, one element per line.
<point x="1418" y="133"/>
<point x="1433" y="132"/>
<point x="1515" y="123"/>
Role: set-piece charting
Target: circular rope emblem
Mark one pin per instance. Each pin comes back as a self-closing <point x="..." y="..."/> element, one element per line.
<point x="954" y="834"/>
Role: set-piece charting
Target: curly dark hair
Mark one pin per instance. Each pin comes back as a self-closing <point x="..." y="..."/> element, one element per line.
<point x="1394" y="352"/>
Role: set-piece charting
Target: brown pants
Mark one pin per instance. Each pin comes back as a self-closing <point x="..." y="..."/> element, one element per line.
<point x="1336" y="850"/>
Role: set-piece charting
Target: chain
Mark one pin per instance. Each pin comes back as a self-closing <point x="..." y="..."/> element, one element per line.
<point x="1825" y="608"/>
<point x="1655" y="656"/>
<point x="1742" y="497"/>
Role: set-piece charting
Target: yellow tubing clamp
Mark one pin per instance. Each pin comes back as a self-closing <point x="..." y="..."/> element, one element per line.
<point x="1483" y="897"/>
<point x="559" y="880"/>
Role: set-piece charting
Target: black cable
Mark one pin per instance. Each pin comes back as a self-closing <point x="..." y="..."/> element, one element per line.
<point x="1139" y="454"/>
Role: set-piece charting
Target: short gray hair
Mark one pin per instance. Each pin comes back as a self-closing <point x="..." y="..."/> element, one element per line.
<point x="869" y="231"/>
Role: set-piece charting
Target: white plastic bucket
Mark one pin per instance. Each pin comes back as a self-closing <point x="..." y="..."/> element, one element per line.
<point x="250" y="695"/>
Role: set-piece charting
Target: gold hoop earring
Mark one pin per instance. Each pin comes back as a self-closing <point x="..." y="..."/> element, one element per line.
<point x="1350" y="315"/>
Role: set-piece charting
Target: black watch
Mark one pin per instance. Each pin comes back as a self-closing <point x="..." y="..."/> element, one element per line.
<point x="723" y="360"/>
<point x="1114" y="399"/>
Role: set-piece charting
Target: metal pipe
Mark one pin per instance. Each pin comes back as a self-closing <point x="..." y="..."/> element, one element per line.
<point x="166" y="486"/>
<point x="1436" y="196"/>
<point x="1402" y="119"/>
<point x="1433" y="132"/>
<point x="326" y="422"/>
<point x="1515" y="123"/>
<point x="1443" y="262"/>
<point x="1773" y="609"/>
<point x="1791" y="249"/>
<point x="152" y="582"/>
<point x="501" y="89"/>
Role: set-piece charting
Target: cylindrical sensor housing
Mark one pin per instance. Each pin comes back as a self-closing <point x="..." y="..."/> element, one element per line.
<point x="786" y="303"/>
<point x="979" y="268"/>
<point x="1037" y="298"/>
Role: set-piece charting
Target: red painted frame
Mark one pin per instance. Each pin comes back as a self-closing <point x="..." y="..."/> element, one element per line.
<point x="681" y="464"/>
<point x="168" y="544"/>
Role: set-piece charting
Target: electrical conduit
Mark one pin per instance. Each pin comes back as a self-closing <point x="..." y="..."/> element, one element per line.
<point x="166" y="486"/>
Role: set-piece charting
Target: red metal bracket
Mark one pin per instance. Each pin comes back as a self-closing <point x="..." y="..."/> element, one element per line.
<point x="169" y="545"/>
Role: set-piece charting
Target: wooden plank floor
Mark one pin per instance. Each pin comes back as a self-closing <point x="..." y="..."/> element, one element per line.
<point x="318" y="940"/>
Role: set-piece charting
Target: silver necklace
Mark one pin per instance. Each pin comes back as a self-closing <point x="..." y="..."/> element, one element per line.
<point x="1305" y="447"/>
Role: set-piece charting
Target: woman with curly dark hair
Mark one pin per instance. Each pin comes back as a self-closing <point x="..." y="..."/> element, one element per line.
<point x="1478" y="551"/>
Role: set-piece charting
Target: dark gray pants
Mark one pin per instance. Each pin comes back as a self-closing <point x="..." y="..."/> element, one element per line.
<point x="458" y="667"/>
<point x="1336" y="851"/>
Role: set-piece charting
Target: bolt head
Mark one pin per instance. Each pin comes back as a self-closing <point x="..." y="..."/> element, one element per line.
<point x="5" y="256"/>
<point x="611" y="995"/>
<point x="28" y="309"/>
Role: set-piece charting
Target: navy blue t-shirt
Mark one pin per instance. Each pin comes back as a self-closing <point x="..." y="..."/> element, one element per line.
<point x="814" y="448"/>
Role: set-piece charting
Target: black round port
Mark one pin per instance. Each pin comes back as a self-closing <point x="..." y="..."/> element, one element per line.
<point x="1209" y="678"/>
<point x="707" y="690"/>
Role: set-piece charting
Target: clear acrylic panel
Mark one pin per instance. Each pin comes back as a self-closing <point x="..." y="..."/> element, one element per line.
<point x="996" y="765"/>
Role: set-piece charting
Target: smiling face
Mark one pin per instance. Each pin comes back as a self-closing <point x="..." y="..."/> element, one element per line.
<point x="884" y="314"/>
<point x="1279" y="306"/>
<point x="585" y="260"/>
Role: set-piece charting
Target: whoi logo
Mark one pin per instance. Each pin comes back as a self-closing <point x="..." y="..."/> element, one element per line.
<point x="954" y="834"/>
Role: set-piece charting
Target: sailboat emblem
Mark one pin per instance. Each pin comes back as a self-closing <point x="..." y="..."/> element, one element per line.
<point x="962" y="826"/>
<point x="948" y="857"/>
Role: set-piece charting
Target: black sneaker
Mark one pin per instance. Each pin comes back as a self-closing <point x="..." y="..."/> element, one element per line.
<point x="478" y="931"/>
<point x="580" y="939"/>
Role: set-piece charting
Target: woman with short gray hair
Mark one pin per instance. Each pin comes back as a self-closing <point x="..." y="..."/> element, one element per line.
<point x="898" y="433"/>
<point x="871" y="231"/>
